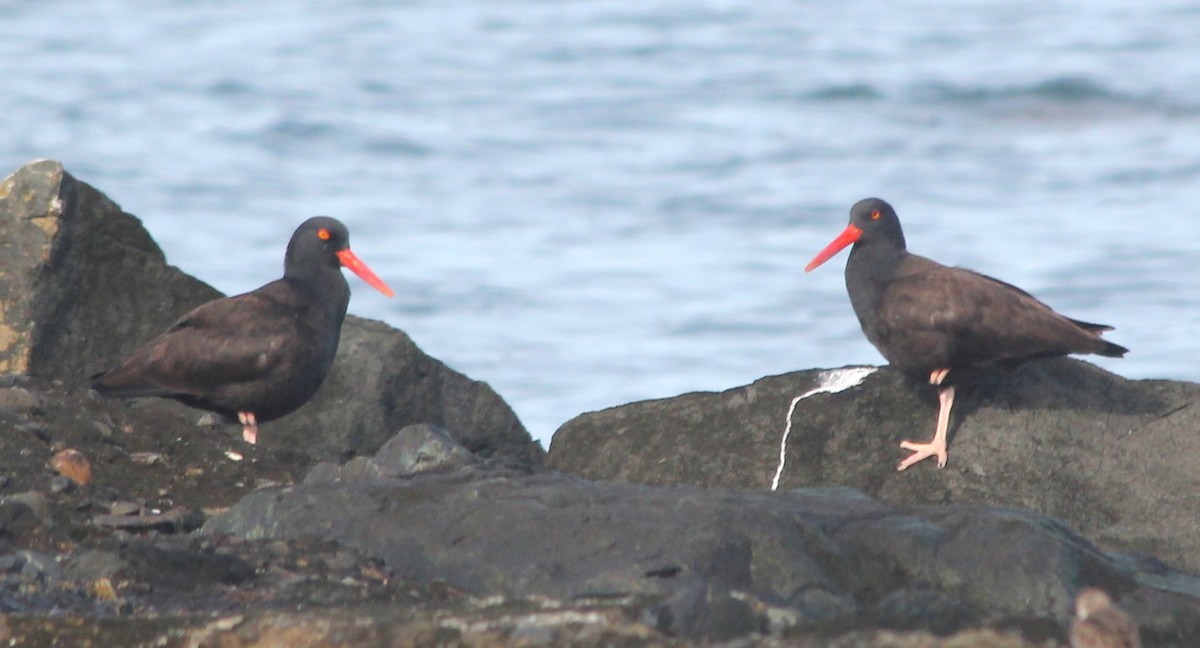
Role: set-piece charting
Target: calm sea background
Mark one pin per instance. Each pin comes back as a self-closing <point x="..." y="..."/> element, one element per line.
<point x="590" y="203"/>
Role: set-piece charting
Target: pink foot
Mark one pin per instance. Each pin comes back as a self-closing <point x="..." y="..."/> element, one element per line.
<point x="936" y="447"/>
<point x="921" y="452"/>
<point x="249" y="427"/>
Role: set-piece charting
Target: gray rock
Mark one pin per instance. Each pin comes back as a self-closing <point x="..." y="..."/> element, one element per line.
<point x="83" y="280"/>
<point x="181" y="567"/>
<point x="20" y="400"/>
<point x="325" y="472"/>
<point x="34" y="503"/>
<point x="92" y="565"/>
<point x="419" y="449"/>
<point x="84" y="284"/>
<point x="1113" y="458"/>
<point x="37" y="567"/>
<point x="416" y="449"/>
<point x="124" y="508"/>
<point x="23" y="516"/>
<point x="711" y="563"/>
<point x="380" y="383"/>
<point x="60" y="484"/>
<point x="360" y="469"/>
<point x="708" y="611"/>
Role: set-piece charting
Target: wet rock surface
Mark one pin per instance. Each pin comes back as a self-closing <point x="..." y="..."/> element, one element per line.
<point x="709" y="563"/>
<point x="405" y="505"/>
<point x="1118" y="460"/>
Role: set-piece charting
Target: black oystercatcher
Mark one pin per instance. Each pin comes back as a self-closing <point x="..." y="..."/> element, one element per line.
<point x="1100" y="624"/>
<point x="941" y="324"/>
<point x="257" y="356"/>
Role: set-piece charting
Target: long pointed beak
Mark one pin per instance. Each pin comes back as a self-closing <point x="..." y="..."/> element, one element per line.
<point x="848" y="236"/>
<point x="359" y="268"/>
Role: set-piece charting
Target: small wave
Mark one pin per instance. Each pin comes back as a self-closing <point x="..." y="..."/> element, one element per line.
<point x="1074" y="89"/>
<point x="230" y="88"/>
<point x="291" y="128"/>
<point x="1146" y="175"/>
<point x="396" y="146"/>
<point x="288" y="135"/>
<point x="1055" y="94"/>
<point x="844" y="92"/>
<point x="1058" y="89"/>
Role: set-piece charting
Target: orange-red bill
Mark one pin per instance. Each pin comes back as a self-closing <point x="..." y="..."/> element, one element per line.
<point x="848" y="236"/>
<point x="359" y="268"/>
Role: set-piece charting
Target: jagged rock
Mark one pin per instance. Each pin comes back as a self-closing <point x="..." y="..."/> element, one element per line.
<point x="20" y="400"/>
<point x="82" y="279"/>
<point x="381" y="382"/>
<point x="414" y="450"/>
<point x="84" y="284"/>
<point x="1114" y="458"/>
<point x="420" y="449"/>
<point x="92" y="565"/>
<point x="32" y="567"/>
<point x="182" y="568"/>
<point x="709" y="563"/>
<point x="22" y="515"/>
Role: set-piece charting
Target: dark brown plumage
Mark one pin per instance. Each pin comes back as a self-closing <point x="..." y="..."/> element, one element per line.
<point x="257" y="356"/>
<point x="1100" y="624"/>
<point x="942" y="324"/>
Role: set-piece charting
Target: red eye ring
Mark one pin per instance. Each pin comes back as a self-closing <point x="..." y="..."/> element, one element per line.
<point x="323" y="234"/>
<point x="875" y="215"/>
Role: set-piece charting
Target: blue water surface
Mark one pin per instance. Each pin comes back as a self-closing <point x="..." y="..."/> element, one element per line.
<point x="589" y="203"/>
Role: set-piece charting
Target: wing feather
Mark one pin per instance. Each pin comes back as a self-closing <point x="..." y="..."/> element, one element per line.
<point x="205" y="349"/>
<point x="957" y="317"/>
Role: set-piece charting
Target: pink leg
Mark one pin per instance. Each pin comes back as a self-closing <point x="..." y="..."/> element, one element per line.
<point x="249" y="427"/>
<point x="936" y="447"/>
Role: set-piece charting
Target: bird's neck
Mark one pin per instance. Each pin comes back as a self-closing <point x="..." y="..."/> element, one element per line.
<point x="326" y="287"/>
<point x="869" y="270"/>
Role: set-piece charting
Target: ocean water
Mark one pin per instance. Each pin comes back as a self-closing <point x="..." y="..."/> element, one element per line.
<point x="590" y="203"/>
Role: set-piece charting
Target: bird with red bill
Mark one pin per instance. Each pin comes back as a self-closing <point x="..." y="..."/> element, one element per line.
<point x="945" y="325"/>
<point x="257" y="356"/>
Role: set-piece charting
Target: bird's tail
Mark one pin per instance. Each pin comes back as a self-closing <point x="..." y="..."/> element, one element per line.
<point x="1091" y="328"/>
<point x="115" y="385"/>
<point x="1106" y="348"/>
<point x="1112" y="350"/>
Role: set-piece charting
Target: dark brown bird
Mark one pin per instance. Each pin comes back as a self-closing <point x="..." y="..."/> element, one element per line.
<point x="257" y="356"/>
<point x="1100" y="624"/>
<point x="942" y="324"/>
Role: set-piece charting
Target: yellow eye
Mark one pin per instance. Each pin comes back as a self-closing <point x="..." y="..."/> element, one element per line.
<point x="323" y="234"/>
<point x="874" y="215"/>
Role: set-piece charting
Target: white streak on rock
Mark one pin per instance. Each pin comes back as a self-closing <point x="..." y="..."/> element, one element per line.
<point x="829" y="382"/>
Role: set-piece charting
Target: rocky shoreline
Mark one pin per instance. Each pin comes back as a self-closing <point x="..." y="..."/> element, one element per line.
<point x="406" y="504"/>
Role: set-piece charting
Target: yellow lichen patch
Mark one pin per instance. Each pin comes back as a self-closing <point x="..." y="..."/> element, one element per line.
<point x="103" y="590"/>
<point x="14" y="347"/>
<point x="49" y="222"/>
<point x="49" y="225"/>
